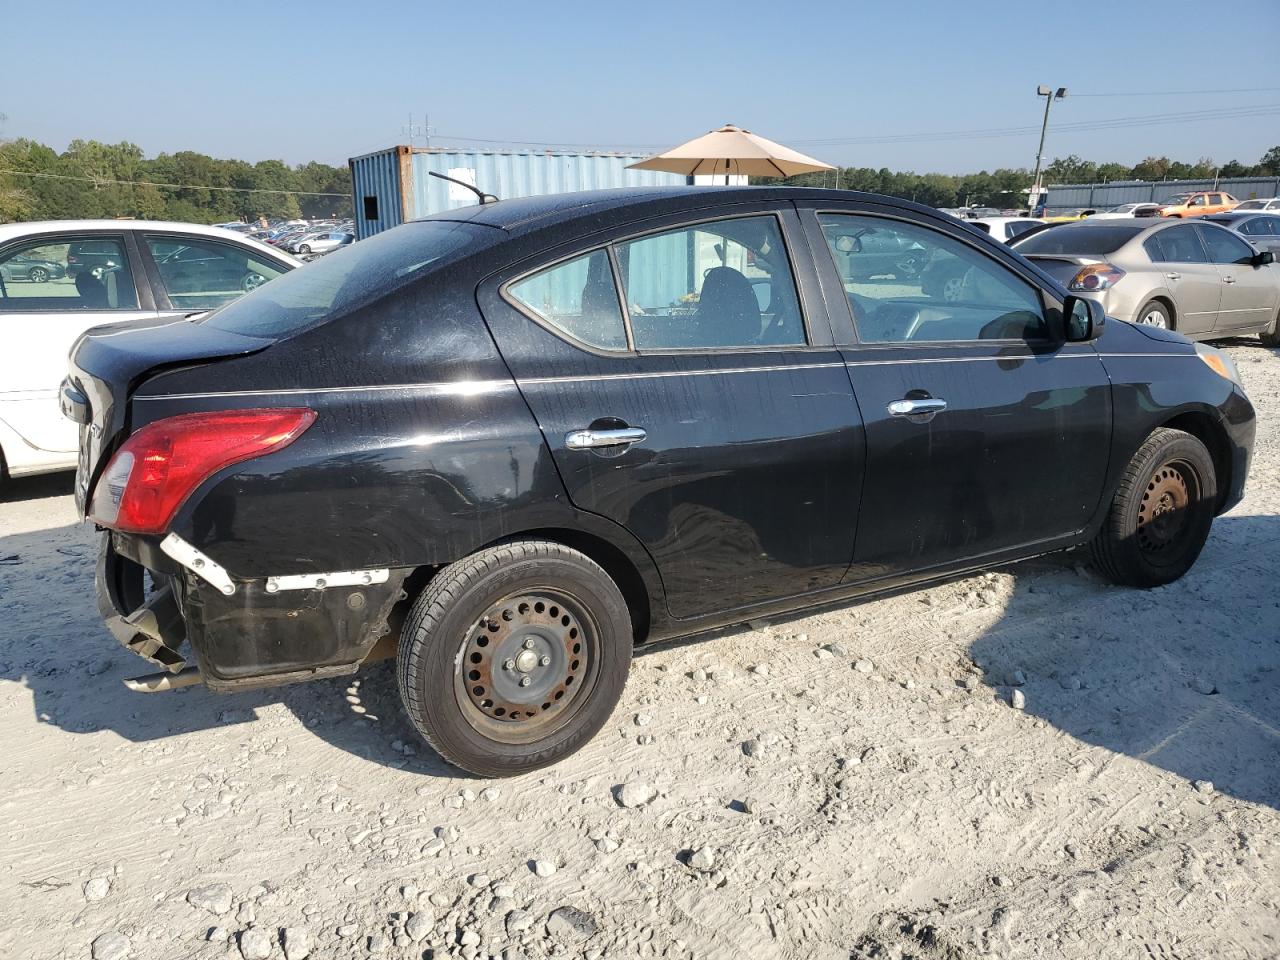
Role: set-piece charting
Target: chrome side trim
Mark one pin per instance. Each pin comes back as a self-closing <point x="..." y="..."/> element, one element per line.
<point x="319" y="581"/>
<point x="462" y="388"/>
<point x="200" y="564"/>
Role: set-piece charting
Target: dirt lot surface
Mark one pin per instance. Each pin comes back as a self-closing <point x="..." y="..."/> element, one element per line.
<point x="853" y="783"/>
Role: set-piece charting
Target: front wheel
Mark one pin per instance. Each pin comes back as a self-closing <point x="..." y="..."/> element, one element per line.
<point x="1161" y="513"/>
<point x="38" y="275"/>
<point x="304" y="249"/>
<point x="513" y="658"/>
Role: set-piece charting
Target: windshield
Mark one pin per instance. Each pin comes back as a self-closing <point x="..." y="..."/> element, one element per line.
<point x="348" y="278"/>
<point x="1252" y="205"/>
<point x="1123" y="208"/>
<point x="1177" y="199"/>
<point x="1076" y="240"/>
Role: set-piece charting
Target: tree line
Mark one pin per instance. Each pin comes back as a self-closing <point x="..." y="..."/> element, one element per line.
<point x="1005" y="188"/>
<point x="91" y="180"/>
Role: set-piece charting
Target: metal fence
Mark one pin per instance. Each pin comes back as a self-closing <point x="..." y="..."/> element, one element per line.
<point x="1100" y="195"/>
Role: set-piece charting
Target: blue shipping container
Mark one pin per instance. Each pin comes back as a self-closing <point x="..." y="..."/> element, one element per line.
<point x="393" y="185"/>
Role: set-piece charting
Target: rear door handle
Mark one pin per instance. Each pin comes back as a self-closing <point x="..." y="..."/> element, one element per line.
<point x="922" y="410"/>
<point x="1174" y="276"/>
<point x="591" y="439"/>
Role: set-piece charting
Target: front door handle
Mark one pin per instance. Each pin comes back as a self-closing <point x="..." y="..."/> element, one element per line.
<point x="591" y="439"/>
<point x="920" y="410"/>
<point x="1174" y="276"/>
<point x="1228" y="279"/>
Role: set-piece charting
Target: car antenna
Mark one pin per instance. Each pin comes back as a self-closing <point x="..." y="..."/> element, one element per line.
<point x="484" y="197"/>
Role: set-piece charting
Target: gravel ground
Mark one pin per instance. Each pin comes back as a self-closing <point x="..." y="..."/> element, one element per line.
<point x="1027" y="763"/>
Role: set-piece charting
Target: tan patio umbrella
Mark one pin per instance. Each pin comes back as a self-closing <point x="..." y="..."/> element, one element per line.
<point x="732" y="150"/>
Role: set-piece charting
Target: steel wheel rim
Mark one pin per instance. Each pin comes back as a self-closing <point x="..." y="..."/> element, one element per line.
<point x="1156" y="318"/>
<point x="1164" y="513"/>
<point x="543" y="636"/>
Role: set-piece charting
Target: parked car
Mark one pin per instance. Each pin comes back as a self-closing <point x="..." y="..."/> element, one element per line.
<point x="91" y="272"/>
<point x="33" y="268"/>
<point x="1005" y="229"/>
<point x="1127" y="211"/>
<point x="1198" y="278"/>
<point x="520" y="479"/>
<point x="325" y="242"/>
<point x="1197" y="204"/>
<point x="1075" y="213"/>
<point x="1264" y="203"/>
<point x="1262" y="230"/>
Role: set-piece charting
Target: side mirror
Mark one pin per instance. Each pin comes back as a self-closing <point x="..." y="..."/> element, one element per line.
<point x="1263" y="258"/>
<point x="1083" y="319"/>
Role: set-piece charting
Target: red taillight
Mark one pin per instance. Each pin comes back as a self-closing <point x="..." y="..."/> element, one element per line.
<point x="157" y="468"/>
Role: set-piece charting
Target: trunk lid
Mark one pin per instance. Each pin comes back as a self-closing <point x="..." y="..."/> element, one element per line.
<point x="108" y="363"/>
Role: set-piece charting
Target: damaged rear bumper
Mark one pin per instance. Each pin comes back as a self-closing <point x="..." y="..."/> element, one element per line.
<point x="259" y="633"/>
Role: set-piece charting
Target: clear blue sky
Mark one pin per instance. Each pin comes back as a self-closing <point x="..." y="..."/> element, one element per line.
<point x="327" y="80"/>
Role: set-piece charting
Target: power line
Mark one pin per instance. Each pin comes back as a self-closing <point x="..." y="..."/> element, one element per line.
<point x="1177" y="93"/>
<point x="170" y="186"/>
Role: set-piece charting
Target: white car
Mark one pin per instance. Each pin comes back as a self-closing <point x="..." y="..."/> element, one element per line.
<point x="1004" y="229"/>
<point x="1127" y="211"/>
<point x="324" y="242"/>
<point x="107" y="271"/>
<point x="1258" y="203"/>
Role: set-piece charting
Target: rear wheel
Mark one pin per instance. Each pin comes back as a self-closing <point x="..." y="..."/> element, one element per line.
<point x="1161" y="513"/>
<point x="513" y="658"/>
<point x="1155" y="314"/>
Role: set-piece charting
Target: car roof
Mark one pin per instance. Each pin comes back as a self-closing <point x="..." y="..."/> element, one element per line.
<point x="12" y="231"/>
<point x="621" y="204"/>
<point x="994" y="220"/>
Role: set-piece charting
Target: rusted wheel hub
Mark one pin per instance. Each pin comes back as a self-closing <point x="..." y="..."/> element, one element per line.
<point x="1163" y="515"/>
<point x="523" y="663"/>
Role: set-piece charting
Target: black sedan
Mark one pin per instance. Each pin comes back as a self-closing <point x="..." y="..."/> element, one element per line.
<point x="513" y="441"/>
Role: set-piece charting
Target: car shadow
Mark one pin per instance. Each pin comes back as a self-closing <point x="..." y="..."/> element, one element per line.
<point x="1175" y="678"/>
<point x="38" y="487"/>
<point x="1185" y="677"/>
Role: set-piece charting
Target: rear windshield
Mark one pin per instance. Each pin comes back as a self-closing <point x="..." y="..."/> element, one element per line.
<point x="348" y="278"/>
<point x="1082" y="239"/>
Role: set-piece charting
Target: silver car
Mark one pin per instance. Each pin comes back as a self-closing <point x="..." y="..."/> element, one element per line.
<point x="1191" y="276"/>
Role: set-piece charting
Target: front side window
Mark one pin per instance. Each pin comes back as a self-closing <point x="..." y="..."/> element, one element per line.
<point x="577" y="297"/>
<point x="206" y="274"/>
<point x="1224" y="246"/>
<point x="719" y="285"/>
<point x="1196" y="201"/>
<point x="1176" y="245"/>
<point x="935" y="289"/>
<point x="83" y="274"/>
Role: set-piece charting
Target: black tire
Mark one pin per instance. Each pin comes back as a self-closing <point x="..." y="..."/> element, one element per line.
<point x="1153" y="308"/>
<point x="1271" y="337"/>
<point x="304" y="248"/>
<point x="1161" y="513"/>
<point x="456" y="656"/>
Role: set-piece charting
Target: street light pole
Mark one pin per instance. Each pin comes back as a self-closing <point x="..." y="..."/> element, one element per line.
<point x="1049" y="97"/>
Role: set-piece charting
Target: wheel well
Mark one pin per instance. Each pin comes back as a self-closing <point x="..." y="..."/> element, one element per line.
<point x="1205" y="429"/>
<point x="614" y="562"/>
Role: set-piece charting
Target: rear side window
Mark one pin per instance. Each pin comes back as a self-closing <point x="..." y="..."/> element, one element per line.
<point x="720" y="285"/>
<point x="577" y="297"/>
<point x="1176" y="245"/>
<point x="1073" y="240"/>
<point x="59" y="274"/>
<point x="349" y="278"/>
<point x="1021" y="226"/>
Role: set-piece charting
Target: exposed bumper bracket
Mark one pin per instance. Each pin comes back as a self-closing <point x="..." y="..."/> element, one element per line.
<point x="318" y="581"/>
<point x="200" y="564"/>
